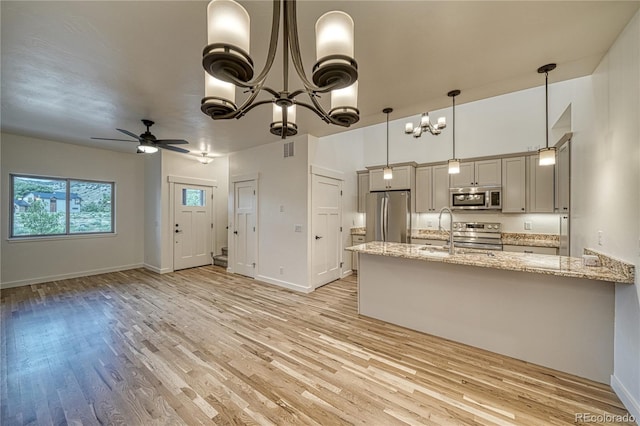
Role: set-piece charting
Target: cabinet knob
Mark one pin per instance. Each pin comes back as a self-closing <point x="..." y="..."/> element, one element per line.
<point x="522" y="209"/>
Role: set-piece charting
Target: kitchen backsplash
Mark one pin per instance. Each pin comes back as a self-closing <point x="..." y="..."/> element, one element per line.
<point x="540" y="223"/>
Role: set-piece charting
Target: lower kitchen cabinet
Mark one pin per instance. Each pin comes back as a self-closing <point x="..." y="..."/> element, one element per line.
<point x="530" y="249"/>
<point x="355" y="240"/>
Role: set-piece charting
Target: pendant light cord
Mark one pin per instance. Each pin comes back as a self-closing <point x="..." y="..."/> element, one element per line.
<point x="546" y="105"/>
<point x="387" y="139"/>
<point x="454" y="127"/>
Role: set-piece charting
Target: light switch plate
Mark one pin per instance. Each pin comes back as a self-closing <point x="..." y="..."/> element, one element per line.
<point x="527" y="226"/>
<point x="297" y="228"/>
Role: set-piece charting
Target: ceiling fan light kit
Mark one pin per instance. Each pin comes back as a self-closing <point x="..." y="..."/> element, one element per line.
<point x="148" y="143"/>
<point x="228" y="65"/>
<point x="204" y="158"/>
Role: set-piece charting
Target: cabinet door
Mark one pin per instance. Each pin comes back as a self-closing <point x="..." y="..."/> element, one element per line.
<point x="466" y="177"/>
<point x="514" y="185"/>
<point x="376" y="180"/>
<point x="488" y="172"/>
<point x="539" y="186"/>
<point x="440" y="177"/>
<point x="363" y="190"/>
<point x="424" y="189"/>
<point x="427" y="242"/>
<point x="401" y="178"/>
<point x="563" y="183"/>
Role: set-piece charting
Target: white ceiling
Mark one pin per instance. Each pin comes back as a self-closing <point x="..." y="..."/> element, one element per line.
<point x="73" y="70"/>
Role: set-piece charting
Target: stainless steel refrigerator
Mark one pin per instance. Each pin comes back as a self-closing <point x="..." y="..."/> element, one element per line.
<point x="389" y="216"/>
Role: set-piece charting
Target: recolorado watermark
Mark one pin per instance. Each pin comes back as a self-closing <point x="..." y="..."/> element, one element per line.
<point x="603" y="418"/>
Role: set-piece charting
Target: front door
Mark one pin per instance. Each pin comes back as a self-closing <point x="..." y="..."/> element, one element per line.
<point x="192" y="229"/>
<point x="326" y="243"/>
<point x="244" y="232"/>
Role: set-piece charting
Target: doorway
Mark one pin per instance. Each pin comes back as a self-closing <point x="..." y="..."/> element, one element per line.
<point x="245" y="236"/>
<point x="193" y="226"/>
<point x="326" y="226"/>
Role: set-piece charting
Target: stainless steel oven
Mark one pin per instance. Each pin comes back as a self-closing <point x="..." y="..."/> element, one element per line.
<point x="476" y="198"/>
<point x="479" y="235"/>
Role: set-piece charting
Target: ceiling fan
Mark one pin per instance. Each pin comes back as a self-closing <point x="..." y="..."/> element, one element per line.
<point x="148" y="142"/>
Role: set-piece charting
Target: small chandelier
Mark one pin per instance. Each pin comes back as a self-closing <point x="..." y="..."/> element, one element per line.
<point x="387" y="172"/>
<point x="547" y="155"/>
<point x="454" y="163"/>
<point x="228" y="65"/>
<point x="426" y="126"/>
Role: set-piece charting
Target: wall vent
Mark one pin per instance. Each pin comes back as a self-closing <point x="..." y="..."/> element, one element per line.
<point x="288" y="149"/>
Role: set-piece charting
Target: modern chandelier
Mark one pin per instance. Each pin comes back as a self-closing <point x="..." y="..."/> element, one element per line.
<point x="228" y="65"/>
<point x="547" y="155"/>
<point x="425" y="125"/>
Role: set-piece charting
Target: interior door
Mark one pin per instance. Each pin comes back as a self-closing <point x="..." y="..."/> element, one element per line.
<point x="193" y="226"/>
<point x="245" y="232"/>
<point x="326" y="244"/>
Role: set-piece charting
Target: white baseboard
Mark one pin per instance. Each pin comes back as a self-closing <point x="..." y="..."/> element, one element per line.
<point x="347" y="273"/>
<point x="285" y="284"/>
<point x="49" y="278"/>
<point x="631" y="404"/>
<point x="156" y="269"/>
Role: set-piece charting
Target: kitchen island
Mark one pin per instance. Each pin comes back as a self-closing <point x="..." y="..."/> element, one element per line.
<point x="548" y="310"/>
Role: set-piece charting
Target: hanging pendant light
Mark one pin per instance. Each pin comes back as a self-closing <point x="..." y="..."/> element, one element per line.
<point x="454" y="163"/>
<point x="547" y="155"/>
<point x="387" y="172"/>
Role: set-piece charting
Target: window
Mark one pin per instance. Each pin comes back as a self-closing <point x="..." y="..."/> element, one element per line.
<point x="45" y="206"/>
<point x="193" y="197"/>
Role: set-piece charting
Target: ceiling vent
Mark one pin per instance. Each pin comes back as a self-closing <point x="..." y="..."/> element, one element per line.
<point x="288" y="149"/>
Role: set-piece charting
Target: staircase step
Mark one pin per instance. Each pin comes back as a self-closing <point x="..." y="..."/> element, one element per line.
<point x="220" y="260"/>
<point x="225" y="251"/>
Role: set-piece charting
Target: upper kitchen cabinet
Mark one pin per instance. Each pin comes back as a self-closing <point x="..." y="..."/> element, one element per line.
<point x="478" y="173"/>
<point x="363" y="190"/>
<point x="402" y="178"/>
<point x="432" y="188"/>
<point x="540" y="190"/>
<point x="514" y="185"/>
<point x="563" y="180"/>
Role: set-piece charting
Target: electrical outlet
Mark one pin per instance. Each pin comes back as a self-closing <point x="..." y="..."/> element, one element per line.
<point x="281" y="208"/>
<point x="281" y="270"/>
<point x="429" y="224"/>
<point x="599" y="238"/>
<point x="297" y="228"/>
<point x="527" y="226"/>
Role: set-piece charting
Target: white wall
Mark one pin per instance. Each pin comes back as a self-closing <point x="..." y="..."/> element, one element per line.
<point x="606" y="162"/>
<point x="342" y="152"/>
<point x="282" y="182"/>
<point x="33" y="261"/>
<point x="153" y="212"/>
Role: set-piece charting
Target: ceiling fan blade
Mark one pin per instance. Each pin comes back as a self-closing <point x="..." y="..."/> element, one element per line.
<point x="173" y="148"/>
<point x="109" y="139"/>
<point x="172" y="141"/>
<point x="133" y="135"/>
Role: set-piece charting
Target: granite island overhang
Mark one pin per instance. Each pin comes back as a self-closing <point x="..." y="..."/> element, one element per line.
<point x="544" y="309"/>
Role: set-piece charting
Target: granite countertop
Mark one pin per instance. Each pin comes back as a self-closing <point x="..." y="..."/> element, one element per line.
<point x="526" y="262"/>
<point x="359" y="231"/>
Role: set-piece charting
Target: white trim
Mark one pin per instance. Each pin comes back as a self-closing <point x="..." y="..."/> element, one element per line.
<point x="49" y="278"/>
<point x="346" y="273"/>
<point x="241" y="178"/>
<point x="632" y="406"/>
<point x="157" y="270"/>
<point x="63" y="237"/>
<point x="192" y="181"/>
<point x="285" y="284"/>
<point x="330" y="173"/>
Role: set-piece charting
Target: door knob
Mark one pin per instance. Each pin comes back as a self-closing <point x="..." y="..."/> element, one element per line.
<point x="178" y="231"/>
<point x="235" y="232"/>
<point x="317" y="237"/>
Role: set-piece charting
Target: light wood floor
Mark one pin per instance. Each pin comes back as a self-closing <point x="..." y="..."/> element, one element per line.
<point x="205" y="347"/>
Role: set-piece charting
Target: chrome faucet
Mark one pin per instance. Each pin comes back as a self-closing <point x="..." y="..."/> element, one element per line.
<point x="442" y="210"/>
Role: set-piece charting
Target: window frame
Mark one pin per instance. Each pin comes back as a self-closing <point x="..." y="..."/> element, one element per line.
<point x="67" y="219"/>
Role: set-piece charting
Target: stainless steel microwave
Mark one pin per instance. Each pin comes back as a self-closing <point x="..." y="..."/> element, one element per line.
<point x="476" y="198"/>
